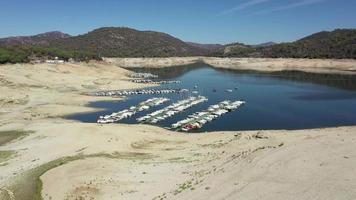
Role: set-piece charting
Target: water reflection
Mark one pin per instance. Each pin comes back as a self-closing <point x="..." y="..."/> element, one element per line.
<point x="341" y="81"/>
<point x="170" y="72"/>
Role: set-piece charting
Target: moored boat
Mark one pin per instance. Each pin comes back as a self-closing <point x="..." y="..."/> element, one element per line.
<point x="198" y="119"/>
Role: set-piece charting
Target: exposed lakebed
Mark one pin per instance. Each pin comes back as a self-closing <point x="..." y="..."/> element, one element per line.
<point x="280" y="100"/>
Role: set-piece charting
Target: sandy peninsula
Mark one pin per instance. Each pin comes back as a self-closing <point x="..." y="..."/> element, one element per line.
<point x="45" y="156"/>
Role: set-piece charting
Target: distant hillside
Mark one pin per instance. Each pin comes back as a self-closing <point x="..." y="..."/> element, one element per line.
<point x="266" y="44"/>
<point x="126" y="42"/>
<point x="235" y="50"/>
<point x="38" y="47"/>
<point x="209" y="47"/>
<point x="102" y="42"/>
<point x="40" y="39"/>
<point x="340" y="43"/>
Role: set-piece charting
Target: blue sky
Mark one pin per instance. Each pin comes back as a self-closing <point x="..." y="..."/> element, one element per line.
<point x="204" y="21"/>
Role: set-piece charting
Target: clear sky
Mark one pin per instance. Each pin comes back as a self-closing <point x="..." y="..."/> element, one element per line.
<point x="204" y="21"/>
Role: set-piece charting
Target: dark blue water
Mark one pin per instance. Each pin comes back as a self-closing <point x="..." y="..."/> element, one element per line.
<point x="286" y="100"/>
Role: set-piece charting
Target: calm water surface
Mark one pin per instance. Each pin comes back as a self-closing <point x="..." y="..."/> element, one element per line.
<point x="284" y="100"/>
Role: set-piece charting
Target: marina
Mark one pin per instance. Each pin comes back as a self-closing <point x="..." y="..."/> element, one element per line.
<point x="149" y="81"/>
<point x="135" y="92"/>
<point x="171" y="110"/>
<point x="197" y="120"/>
<point x="143" y="75"/>
<point x="117" y="116"/>
<point x="283" y="100"/>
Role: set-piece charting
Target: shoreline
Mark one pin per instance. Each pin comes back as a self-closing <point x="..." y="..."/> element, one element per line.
<point x="65" y="159"/>
<point x="328" y="66"/>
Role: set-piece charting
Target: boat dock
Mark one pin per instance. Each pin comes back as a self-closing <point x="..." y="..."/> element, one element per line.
<point x="143" y="75"/>
<point x="171" y="110"/>
<point x="145" y="105"/>
<point x="149" y="81"/>
<point x="198" y="119"/>
<point x="141" y="91"/>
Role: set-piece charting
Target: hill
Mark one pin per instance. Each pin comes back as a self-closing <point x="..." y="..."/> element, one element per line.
<point x="340" y="43"/>
<point x="126" y="42"/>
<point x="266" y="44"/>
<point x="209" y="47"/>
<point x="102" y="42"/>
<point x="235" y="50"/>
<point x="40" y="39"/>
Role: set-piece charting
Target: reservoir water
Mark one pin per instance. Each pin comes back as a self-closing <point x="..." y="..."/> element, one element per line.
<point x="281" y="100"/>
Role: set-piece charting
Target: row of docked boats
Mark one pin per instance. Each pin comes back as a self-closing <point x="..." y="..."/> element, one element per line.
<point x="145" y="105"/>
<point x="141" y="91"/>
<point x="143" y="75"/>
<point x="149" y="81"/>
<point x="172" y="109"/>
<point x="198" y="119"/>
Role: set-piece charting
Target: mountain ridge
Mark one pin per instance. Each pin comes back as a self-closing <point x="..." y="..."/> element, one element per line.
<point x="339" y="44"/>
<point x="128" y="42"/>
<point x="38" y="39"/>
<point x="210" y="47"/>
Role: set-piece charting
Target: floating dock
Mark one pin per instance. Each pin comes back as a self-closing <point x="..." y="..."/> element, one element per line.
<point x="117" y="116"/>
<point x="143" y="75"/>
<point x="149" y="81"/>
<point x="172" y="109"/>
<point x="134" y="92"/>
<point x="197" y="120"/>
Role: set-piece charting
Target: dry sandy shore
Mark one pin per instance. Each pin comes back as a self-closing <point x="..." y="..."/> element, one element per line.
<point x="53" y="158"/>
<point x="258" y="64"/>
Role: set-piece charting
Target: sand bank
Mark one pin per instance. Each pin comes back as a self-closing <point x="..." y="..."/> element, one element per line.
<point x="333" y="66"/>
<point x="152" y="62"/>
<point x="76" y="160"/>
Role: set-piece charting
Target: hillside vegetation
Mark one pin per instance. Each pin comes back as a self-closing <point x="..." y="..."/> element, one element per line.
<point x="40" y="39"/>
<point x="102" y="42"/>
<point x="26" y="48"/>
<point x="24" y="54"/>
<point x="126" y="42"/>
<point x="340" y="43"/>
